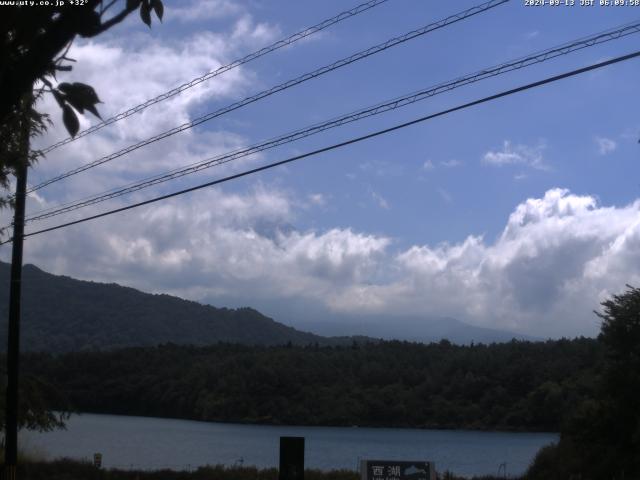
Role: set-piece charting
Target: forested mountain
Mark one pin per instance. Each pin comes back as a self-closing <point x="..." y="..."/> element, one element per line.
<point x="61" y="314"/>
<point x="513" y="386"/>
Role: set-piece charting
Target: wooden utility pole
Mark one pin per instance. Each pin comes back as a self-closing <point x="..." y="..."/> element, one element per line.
<point x="15" y="291"/>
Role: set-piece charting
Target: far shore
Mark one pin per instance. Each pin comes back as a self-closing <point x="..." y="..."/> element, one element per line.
<point x="457" y="428"/>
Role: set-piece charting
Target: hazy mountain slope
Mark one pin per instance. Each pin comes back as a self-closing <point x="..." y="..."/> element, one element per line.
<point x="411" y="328"/>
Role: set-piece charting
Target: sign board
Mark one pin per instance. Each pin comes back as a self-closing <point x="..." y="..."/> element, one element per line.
<point x="97" y="460"/>
<point x="291" y="458"/>
<point x="396" y="470"/>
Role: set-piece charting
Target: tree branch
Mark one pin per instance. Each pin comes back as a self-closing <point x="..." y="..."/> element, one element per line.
<point x="41" y="52"/>
<point x="111" y="22"/>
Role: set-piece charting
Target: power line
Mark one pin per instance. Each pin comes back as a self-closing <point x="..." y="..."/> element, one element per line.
<point x="343" y="144"/>
<point x="399" y="102"/>
<point x="225" y="68"/>
<point x="283" y="86"/>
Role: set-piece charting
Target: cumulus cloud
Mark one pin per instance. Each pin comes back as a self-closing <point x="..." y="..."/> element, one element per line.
<point x="516" y="155"/>
<point x="218" y="243"/>
<point x="556" y="258"/>
<point x="605" y="145"/>
<point x="428" y="165"/>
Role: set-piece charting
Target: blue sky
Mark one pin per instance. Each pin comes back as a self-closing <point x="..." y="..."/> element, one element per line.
<point x="520" y="214"/>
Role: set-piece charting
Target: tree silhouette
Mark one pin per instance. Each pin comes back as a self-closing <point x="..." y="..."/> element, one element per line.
<point x="35" y="40"/>
<point x="620" y="332"/>
<point x="602" y="437"/>
<point x="34" y="47"/>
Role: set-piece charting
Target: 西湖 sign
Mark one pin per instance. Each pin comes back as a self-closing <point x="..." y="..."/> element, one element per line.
<point x="396" y="470"/>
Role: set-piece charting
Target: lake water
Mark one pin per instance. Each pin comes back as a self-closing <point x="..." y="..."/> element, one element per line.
<point x="152" y="443"/>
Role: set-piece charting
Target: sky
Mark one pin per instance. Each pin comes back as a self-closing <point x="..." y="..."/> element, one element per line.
<point x="521" y="214"/>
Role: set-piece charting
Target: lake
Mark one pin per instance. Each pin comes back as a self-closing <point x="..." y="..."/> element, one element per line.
<point x="153" y="443"/>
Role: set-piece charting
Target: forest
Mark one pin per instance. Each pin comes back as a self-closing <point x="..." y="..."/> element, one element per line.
<point x="511" y="386"/>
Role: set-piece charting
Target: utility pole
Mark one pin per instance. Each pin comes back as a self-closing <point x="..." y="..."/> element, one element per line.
<point x="15" y="291"/>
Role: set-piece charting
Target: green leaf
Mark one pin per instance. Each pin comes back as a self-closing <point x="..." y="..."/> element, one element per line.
<point x="70" y="120"/>
<point x="158" y="7"/>
<point x="81" y="97"/>
<point x="60" y="98"/>
<point x="73" y="102"/>
<point x="145" y="12"/>
<point x="86" y="92"/>
<point x="64" y="87"/>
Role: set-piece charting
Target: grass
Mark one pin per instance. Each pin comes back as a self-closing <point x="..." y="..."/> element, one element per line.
<point x="67" y="469"/>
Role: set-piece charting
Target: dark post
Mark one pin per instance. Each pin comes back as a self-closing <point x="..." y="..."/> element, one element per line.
<point x="13" y="348"/>
<point x="291" y="458"/>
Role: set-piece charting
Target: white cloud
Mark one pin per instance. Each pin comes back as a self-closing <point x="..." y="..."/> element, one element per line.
<point x="382" y="168"/>
<point x="557" y="257"/>
<point x="451" y="163"/>
<point x="516" y="155"/>
<point x="215" y="243"/>
<point x="446" y="196"/>
<point x="126" y="72"/>
<point x="428" y="165"/>
<point x="631" y="134"/>
<point x="254" y="35"/>
<point x="380" y="200"/>
<point x="317" y="199"/>
<point x="605" y="145"/>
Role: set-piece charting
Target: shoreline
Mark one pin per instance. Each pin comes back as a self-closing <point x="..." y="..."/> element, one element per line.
<point x="447" y="428"/>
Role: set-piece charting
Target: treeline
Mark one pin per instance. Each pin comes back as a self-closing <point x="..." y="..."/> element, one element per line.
<point x="512" y="386"/>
